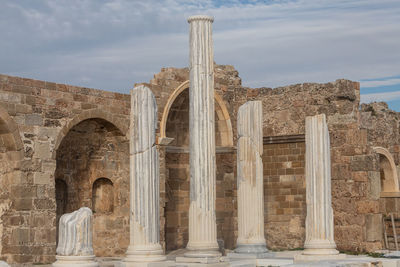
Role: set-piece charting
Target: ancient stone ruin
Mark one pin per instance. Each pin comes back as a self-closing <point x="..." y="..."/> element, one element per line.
<point x="193" y="162"/>
<point x="75" y="240"/>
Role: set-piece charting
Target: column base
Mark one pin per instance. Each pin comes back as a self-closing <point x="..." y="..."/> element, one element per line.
<point x="320" y="251"/>
<point x="148" y="264"/>
<point x="81" y="261"/>
<point x="145" y="254"/>
<point x="320" y="247"/>
<point x="251" y="248"/>
<point x="203" y="254"/>
<point x="203" y="250"/>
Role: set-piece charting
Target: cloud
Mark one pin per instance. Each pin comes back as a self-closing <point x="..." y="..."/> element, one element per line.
<point x="378" y="97"/>
<point x="113" y="44"/>
<point x="376" y="83"/>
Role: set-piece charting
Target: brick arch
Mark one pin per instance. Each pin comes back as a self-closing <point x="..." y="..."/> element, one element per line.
<point x="223" y="115"/>
<point x="9" y="133"/>
<point x="388" y="166"/>
<point x="121" y="124"/>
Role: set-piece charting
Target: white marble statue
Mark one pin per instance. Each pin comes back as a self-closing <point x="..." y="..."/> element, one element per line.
<point x="75" y="240"/>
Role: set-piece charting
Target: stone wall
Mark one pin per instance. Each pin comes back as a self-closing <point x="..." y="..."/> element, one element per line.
<point x="92" y="162"/>
<point x="57" y="140"/>
<point x="284" y="192"/>
<point x="37" y="115"/>
<point x="383" y="130"/>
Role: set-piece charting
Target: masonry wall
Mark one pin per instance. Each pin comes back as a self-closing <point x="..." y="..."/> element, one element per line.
<point x="39" y="115"/>
<point x="43" y="114"/>
<point x="285" y="110"/>
<point x="382" y="127"/>
<point x="353" y="163"/>
<point x="284" y="193"/>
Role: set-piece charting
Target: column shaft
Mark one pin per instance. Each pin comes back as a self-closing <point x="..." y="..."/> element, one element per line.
<point x="202" y="220"/>
<point x="319" y="221"/>
<point x="144" y="179"/>
<point x="250" y="179"/>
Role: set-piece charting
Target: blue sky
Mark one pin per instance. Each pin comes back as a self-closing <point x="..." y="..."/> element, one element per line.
<point x="111" y="45"/>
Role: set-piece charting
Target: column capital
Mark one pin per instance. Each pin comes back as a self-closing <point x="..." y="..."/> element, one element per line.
<point x="201" y="17"/>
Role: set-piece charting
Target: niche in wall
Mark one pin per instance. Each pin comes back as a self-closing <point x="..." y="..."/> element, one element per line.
<point x="103" y="196"/>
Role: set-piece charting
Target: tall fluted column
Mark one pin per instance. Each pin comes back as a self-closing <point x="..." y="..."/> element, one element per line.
<point x="144" y="180"/>
<point x="202" y="219"/>
<point x="250" y="179"/>
<point x="319" y="220"/>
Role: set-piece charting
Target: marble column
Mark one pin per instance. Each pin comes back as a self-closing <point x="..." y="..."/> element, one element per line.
<point x="319" y="220"/>
<point x="144" y="180"/>
<point x="75" y="240"/>
<point x="202" y="219"/>
<point x="250" y="179"/>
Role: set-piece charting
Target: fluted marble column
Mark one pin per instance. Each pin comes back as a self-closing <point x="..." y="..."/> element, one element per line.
<point x="202" y="219"/>
<point x="75" y="240"/>
<point x="319" y="220"/>
<point x="144" y="180"/>
<point x="250" y="179"/>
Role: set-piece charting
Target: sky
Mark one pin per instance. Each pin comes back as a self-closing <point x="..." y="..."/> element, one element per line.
<point x="111" y="45"/>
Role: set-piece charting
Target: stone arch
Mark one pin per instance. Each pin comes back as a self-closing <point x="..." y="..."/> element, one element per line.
<point x="389" y="177"/>
<point x="221" y="112"/>
<point x="92" y="145"/>
<point x="103" y="195"/>
<point x="175" y="125"/>
<point x="121" y="124"/>
<point x="9" y="133"/>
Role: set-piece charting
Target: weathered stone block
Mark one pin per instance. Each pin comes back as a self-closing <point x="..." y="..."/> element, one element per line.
<point x="373" y="224"/>
<point x="42" y="150"/>
<point x="22" y="204"/>
<point x="366" y="206"/>
<point x="33" y="119"/>
<point x="374" y="185"/>
<point x="41" y="178"/>
<point x="20" y="236"/>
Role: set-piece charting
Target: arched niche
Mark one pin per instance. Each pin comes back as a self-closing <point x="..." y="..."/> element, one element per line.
<point x="103" y="196"/>
<point x="175" y="125"/>
<point x="388" y="172"/>
<point x="93" y="148"/>
<point x="177" y="110"/>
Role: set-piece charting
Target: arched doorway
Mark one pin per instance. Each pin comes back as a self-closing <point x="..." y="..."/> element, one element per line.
<point x="389" y="180"/>
<point x="175" y="124"/>
<point x="95" y="148"/>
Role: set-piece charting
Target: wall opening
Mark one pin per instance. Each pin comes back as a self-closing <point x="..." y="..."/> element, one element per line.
<point x="178" y="177"/>
<point x="91" y="149"/>
<point x="103" y="196"/>
<point x="387" y="175"/>
<point x="389" y="181"/>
